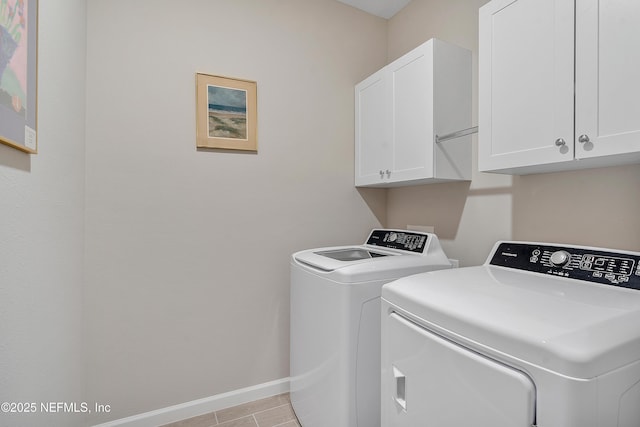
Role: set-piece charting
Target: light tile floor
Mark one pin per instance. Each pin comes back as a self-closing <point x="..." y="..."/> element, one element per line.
<point x="275" y="411"/>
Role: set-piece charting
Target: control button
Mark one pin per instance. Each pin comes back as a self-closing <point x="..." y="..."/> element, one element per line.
<point x="536" y="252"/>
<point x="533" y="259"/>
<point x="560" y="258"/>
<point x="597" y="274"/>
<point x="393" y="237"/>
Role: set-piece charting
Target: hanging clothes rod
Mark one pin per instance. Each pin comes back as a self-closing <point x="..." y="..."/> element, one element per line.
<point x="456" y="134"/>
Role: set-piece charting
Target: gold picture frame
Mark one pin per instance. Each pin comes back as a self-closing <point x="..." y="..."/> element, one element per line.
<point x="226" y="113"/>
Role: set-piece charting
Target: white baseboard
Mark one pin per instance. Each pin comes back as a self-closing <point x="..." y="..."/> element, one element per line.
<point x="194" y="408"/>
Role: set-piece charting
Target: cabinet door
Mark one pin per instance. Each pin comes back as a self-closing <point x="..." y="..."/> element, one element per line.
<point x="526" y="74"/>
<point x="372" y="145"/>
<point x="607" y="79"/>
<point x="411" y="79"/>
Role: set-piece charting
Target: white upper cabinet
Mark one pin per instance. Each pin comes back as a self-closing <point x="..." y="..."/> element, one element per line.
<point x="540" y="110"/>
<point x="401" y="108"/>
<point x="372" y="132"/>
<point x="526" y="83"/>
<point x="607" y="78"/>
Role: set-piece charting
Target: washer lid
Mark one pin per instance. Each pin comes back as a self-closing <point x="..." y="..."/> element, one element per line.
<point x="572" y="327"/>
<point x="337" y="257"/>
<point x="350" y="254"/>
<point x="351" y="264"/>
<point x="386" y="255"/>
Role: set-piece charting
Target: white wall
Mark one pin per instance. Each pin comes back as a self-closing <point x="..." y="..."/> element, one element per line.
<point x="41" y="233"/>
<point x="597" y="207"/>
<point x="187" y="250"/>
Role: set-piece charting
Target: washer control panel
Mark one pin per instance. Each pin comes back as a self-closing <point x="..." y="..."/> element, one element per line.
<point x="593" y="265"/>
<point x="397" y="239"/>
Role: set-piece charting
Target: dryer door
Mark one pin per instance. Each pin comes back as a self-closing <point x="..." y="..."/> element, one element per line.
<point x="431" y="381"/>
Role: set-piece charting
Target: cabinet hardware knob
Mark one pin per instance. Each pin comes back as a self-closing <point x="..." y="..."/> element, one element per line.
<point x="582" y="139"/>
<point x="381" y="173"/>
<point x="388" y="173"/>
<point x="560" y="142"/>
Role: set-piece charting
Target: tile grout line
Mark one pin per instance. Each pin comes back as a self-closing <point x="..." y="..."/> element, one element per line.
<point x="286" y="422"/>
<point x="269" y="409"/>
<point x="237" y="419"/>
<point x="251" y="414"/>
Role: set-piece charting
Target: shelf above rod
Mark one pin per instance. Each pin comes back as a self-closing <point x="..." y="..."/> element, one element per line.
<point x="456" y="134"/>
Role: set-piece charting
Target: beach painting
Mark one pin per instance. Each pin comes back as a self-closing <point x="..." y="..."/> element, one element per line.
<point x="226" y="113"/>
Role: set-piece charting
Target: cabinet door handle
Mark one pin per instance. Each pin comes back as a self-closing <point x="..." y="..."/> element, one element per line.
<point x="583" y="139"/>
<point x="381" y="174"/>
<point x="388" y="173"/>
<point x="560" y="142"/>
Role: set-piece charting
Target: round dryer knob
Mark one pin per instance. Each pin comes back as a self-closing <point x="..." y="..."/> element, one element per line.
<point x="560" y="258"/>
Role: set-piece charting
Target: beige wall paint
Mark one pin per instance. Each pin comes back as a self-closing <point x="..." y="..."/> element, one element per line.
<point x="596" y="207"/>
<point x="187" y="284"/>
<point x="468" y="216"/>
<point x="171" y="312"/>
<point x="42" y="233"/>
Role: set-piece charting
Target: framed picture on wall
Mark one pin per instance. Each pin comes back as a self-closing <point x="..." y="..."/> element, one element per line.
<point x="18" y="74"/>
<point x="226" y="113"/>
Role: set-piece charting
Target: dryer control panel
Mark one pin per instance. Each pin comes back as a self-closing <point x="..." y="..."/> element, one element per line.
<point x="590" y="264"/>
<point x="397" y="239"/>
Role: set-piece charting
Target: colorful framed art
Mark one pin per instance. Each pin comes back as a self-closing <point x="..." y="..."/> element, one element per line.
<point x="18" y="74"/>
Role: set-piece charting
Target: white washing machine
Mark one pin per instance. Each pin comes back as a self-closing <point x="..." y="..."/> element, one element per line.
<point x="335" y="323"/>
<point x="540" y="335"/>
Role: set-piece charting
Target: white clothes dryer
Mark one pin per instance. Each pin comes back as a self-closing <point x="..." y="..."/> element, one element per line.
<point x="335" y="323"/>
<point x="540" y="335"/>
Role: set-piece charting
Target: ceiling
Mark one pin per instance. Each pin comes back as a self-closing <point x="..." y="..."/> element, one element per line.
<point x="382" y="8"/>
